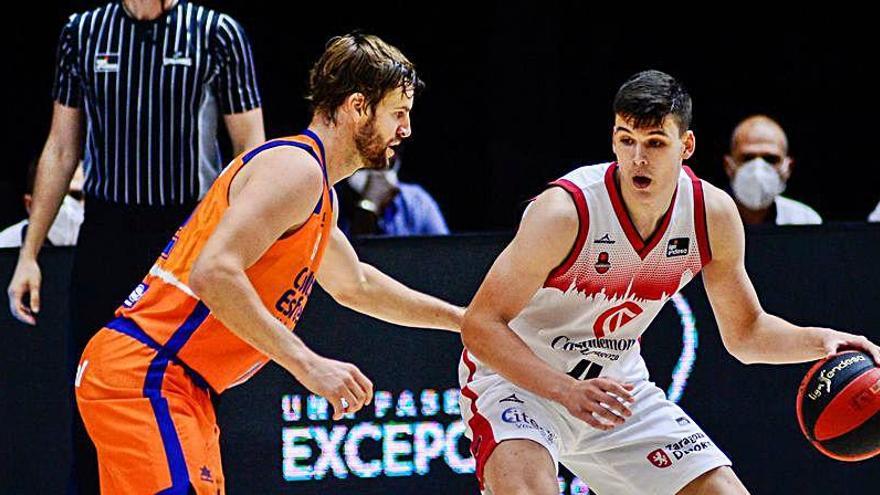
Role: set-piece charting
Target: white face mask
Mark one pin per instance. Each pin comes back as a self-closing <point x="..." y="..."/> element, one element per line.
<point x="358" y="180"/>
<point x="65" y="230"/>
<point x="756" y="184"/>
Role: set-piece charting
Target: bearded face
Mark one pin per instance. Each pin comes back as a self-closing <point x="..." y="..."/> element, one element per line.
<point x="374" y="150"/>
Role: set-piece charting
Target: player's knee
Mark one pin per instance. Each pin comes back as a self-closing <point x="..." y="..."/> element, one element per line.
<point x="719" y="481"/>
<point x="526" y="483"/>
<point x="521" y="467"/>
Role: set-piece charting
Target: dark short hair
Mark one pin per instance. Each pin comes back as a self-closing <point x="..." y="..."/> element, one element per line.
<point x="358" y="63"/>
<point x="646" y="98"/>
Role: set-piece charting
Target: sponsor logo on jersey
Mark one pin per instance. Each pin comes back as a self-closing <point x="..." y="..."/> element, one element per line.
<point x="602" y="264"/>
<point x="616" y="317"/>
<point x="682" y="421"/>
<point x="585" y="347"/>
<point x="679" y="246"/>
<point x="293" y="301"/>
<point x="691" y="444"/>
<point x="135" y="295"/>
<point x="695" y="443"/>
<point x="512" y="398"/>
<point x="518" y="417"/>
<point x="178" y="59"/>
<point x="605" y="239"/>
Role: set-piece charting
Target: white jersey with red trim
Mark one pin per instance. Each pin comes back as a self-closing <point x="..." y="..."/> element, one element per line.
<point x="588" y="317"/>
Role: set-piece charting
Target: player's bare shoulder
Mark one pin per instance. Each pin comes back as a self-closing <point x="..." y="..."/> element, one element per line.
<point x="551" y="220"/>
<point x="285" y="170"/>
<point x="555" y="210"/>
<point x="724" y="225"/>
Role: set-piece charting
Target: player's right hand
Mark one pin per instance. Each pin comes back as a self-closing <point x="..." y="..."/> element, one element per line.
<point x="599" y="401"/>
<point x="336" y="380"/>
<point x="25" y="281"/>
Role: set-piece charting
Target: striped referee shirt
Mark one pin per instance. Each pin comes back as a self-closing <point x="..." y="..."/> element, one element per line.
<point x="151" y="91"/>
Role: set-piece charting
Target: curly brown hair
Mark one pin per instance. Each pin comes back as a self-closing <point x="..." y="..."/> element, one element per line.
<point x="358" y="63"/>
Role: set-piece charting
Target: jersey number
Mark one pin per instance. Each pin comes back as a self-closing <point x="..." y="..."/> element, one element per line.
<point x="585" y="370"/>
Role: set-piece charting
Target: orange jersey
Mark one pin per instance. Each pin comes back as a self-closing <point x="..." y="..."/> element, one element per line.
<point x="165" y="309"/>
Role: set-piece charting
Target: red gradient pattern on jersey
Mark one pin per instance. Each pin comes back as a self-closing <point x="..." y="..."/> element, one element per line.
<point x="631" y="269"/>
<point x="654" y="278"/>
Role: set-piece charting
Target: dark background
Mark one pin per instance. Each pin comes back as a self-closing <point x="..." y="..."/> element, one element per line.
<point x="520" y="92"/>
<point x="809" y="275"/>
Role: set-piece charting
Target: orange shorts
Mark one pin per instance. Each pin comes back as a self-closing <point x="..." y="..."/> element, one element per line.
<point x="154" y="428"/>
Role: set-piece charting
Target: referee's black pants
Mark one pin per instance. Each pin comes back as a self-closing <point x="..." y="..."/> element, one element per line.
<point x="117" y="245"/>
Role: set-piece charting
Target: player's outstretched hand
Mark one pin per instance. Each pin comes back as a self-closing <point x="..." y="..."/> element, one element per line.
<point x="841" y="341"/>
<point x="342" y="384"/>
<point x="600" y="402"/>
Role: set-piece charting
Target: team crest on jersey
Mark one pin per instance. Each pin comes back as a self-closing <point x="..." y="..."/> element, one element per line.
<point x="680" y="246"/>
<point x="107" y="62"/>
<point x="602" y="264"/>
<point x="659" y="459"/>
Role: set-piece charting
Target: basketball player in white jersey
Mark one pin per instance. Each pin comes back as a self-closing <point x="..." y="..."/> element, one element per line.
<point x="552" y="370"/>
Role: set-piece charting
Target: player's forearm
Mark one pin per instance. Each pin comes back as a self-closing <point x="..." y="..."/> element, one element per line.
<point x="772" y="340"/>
<point x="496" y="345"/>
<point x="54" y="171"/>
<point x="232" y="299"/>
<point x="380" y="296"/>
<point x="245" y="130"/>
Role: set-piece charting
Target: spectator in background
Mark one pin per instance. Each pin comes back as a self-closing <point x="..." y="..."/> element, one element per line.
<point x="65" y="228"/>
<point x="758" y="167"/>
<point x="146" y="79"/>
<point x="875" y="215"/>
<point x="376" y="202"/>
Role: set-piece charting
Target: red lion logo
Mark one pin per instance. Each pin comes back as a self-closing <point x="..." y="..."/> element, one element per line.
<point x="659" y="459"/>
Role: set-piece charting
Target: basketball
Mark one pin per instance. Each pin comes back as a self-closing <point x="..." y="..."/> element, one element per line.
<point x="838" y="406"/>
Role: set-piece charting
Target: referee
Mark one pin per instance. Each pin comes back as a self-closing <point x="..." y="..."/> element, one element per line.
<point x="145" y="80"/>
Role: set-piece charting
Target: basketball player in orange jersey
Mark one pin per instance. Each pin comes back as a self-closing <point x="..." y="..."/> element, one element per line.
<point x="552" y="370"/>
<point x="224" y="295"/>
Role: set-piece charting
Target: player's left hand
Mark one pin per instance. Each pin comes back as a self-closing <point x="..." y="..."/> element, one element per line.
<point x="835" y="342"/>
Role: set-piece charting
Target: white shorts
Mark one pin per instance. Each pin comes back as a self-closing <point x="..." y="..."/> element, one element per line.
<point x="657" y="450"/>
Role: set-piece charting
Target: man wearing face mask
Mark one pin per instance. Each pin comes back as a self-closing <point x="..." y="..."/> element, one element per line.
<point x="65" y="229"/>
<point x="376" y="202"/>
<point x="758" y="167"/>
